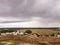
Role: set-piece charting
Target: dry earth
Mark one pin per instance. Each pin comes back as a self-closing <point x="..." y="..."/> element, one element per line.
<point x="26" y="44"/>
<point x="7" y="43"/>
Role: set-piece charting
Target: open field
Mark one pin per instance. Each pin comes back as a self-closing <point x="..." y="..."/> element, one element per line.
<point x="31" y="39"/>
<point x="42" y="31"/>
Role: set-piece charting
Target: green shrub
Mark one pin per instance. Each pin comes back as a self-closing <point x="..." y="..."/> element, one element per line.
<point x="28" y="31"/>
<point x="43" y="44"/>
<point x="36" y="34"/>
<point x="52" y="34"/>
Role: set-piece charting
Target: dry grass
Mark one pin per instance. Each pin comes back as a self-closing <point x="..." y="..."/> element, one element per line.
<point x="30" y="39"/>
<point x="41" y="31"/>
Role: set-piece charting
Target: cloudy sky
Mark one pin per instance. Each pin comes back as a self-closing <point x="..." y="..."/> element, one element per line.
<point x="29" y="13"/>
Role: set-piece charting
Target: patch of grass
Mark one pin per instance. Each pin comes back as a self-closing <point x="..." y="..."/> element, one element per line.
<point x="42" y="31"/>
<point x="3" y="40"/>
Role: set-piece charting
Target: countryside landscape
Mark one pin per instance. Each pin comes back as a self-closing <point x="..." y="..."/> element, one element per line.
<point x="29" y="22"/>
<point x="30" y="36"/>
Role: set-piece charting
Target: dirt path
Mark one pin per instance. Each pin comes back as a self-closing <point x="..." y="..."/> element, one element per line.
<point x="26" y="44"/>
<point x="7" y="43"/>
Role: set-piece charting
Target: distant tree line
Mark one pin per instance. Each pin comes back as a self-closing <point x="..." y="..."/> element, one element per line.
<point x="3" y="30"/>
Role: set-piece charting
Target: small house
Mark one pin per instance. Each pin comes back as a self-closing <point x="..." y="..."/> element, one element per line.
<point x="21" y="33"/>
<point x="14" y="33"/>
<point x="58" y="35"/>
<point x="3" y="34"/>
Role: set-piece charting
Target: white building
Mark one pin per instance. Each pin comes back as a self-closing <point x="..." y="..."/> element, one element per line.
<point x="21" y="33"/>
<point x="14" y="33"/>
<point x="18" y="32"/>
<point x="58" y="35"/>
<point x="3" y="34"/>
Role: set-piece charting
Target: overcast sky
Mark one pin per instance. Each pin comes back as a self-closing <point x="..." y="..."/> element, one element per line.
<point x="29" y="13"/>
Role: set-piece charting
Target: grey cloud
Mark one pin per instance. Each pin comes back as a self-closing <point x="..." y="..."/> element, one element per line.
<point x="48" y="10"/>
<point x="24" y="7"/>
<point x="55" y="9"/>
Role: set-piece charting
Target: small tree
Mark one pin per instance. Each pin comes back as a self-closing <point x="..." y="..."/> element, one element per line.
<point x="58" y="33"/>
<point x="46" y="35"/>
<point x="28" y="31"/>
<point x="36" y="34"/>
<point x="43" y="44"/>
<point x="53" y="34"/>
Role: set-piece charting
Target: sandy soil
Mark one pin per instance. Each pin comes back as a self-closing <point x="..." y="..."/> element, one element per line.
<point x="26" y="44"/>
<point x="7" y="43"/>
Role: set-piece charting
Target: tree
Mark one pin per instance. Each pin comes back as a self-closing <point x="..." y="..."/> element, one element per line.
<point x="43" y="44"/>
<point x="58" y="33"/>
<point x="36" y="34"/>
<point x="53" y="34"/>
<point x="28" y="31"/>
<point x="46" y="35"/>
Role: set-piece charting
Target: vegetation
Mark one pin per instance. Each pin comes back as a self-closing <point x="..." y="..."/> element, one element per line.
<point x="3" y="30"/>
<point x="43" y="44"/>
<point x="28" y="31"/>
<point x="37" y="34"/>
<point x="31" y="39"/>
<point x="45" y="32"/>
<point x="52" y="34"/>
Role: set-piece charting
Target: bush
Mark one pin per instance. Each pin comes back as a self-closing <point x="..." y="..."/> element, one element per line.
<point x="58" y="33"/>
<point x="52" y="34"/>
<point x="46" y="35"/>
<point x="36" y="34"/>
<point x="43" y="43"/>
<point x="28" y="31"/>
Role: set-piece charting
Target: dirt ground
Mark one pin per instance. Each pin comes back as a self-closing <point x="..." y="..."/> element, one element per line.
<point x="11" y="43"/>
<point x="26" y="44"/>
<point x="7" y="43"/>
